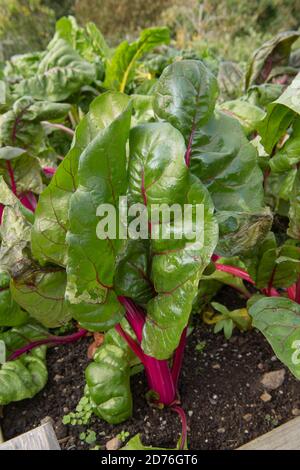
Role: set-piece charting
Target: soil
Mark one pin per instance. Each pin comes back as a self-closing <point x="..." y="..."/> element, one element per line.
<point x="220" y="391"/>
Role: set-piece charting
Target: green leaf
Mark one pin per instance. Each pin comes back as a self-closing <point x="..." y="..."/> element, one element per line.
<point x="185" y="96"/>
<point x="51" y="216"/>
<point x="10" y="312"/>
<point x="262" y="95"/>
<point x="102" y="175"/>
<point x="132" y="278"/>
<point x="27" y="375"/>
<point x="158" y="174"/>
<point x="61" y="73"/>
<point x="41" y="293"/>
<point x="24" y="377"/>
<point x="120" y="68"/>
<point x="273" y="53"/>
<point x="135" y="443"/>
<point x="246" y="113"/>
<point x="289" y="155"/>
<point x="294" y="211"/>
<point x="280" y="115"/>
<point x="15" y="231"/>
<point x="219" y="153"/>
<point x="21" y="126"/>
<point x="108" y="381"/>
<point x="278" y="319"/>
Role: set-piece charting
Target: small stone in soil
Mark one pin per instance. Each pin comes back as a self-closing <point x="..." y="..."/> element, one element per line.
<point x="113" y="444"/>
<point x="266" y="397"/>
<point x="247" y="417"/>
<point x="296" y="412"/>
<point x="273" y="380"/>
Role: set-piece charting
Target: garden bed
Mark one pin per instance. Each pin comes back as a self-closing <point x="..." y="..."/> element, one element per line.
<point x="220" y="393"/>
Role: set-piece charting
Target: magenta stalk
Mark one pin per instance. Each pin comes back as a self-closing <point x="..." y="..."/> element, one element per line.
<point x="53" y="340"/>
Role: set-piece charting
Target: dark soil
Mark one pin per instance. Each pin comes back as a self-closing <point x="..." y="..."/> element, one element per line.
<point x="220" y="391"/>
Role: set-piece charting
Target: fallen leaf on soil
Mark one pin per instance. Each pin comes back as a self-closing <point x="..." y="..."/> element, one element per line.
<point x="98" y="340"/>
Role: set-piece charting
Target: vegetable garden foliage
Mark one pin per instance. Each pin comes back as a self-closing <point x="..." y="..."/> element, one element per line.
<point x="79" y="128"/>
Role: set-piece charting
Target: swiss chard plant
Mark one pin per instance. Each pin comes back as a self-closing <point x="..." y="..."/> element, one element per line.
<point x="84" y="126"/>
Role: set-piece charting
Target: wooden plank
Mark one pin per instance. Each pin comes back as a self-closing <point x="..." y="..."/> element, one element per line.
<point x="285" y="437"/>
<point x="41" y="438"/>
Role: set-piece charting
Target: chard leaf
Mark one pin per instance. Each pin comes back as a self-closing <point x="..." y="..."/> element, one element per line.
<point x="61" y="72"/>
<point x="88" y="41"/>
<point x="135" y="443"/>
<point x="10" y="312"/>
<point x="42" y="294"/>
<point x="218" y="152"/>
<point x="158" y="174"/>
<point x="273" y="53"/>
<point x="246" y="113"/>
<point x="21" y="126"/>
<point x="26" y="376"/>
<point x="108" y="381"/>
<point x="121" y="66"/>
<point x="278" y="319"/>
<point x="289" y="155"/>
<point x="15" y="231"/>
<point x="51" y="218"/>
<point x="185" y="96"/>
<point x="102" y="175"/>
<point x="280" y="115"/>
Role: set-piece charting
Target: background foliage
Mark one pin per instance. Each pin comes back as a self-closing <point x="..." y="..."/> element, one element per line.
<point x="232" y="27"/>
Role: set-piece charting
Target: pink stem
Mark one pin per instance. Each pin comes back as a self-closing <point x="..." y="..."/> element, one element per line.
<point x="182" y="416"/>
<point x="158" y="371"/>
<point x="28" y="200"/>
<point x="49" y="171"/>
<point x="297" y="296"/>
<point x="50" y="340"/>
<point x="235" y="272"/>
<point x="11" y="176"/>
<point x="178" y="358"/>
<point x="1" y="212"/>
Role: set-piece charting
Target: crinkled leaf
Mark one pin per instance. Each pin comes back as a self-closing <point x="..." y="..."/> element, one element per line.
<point x="51" y="217"/>
<point x="26" y="376"/>
<point x="102" y="178"/>
<point x="108" y="381"/>
<point x="185" y="96"/>
<point x="120" y="68"/>
<point x="278" y="319"/>
<point x="217" y="149"/>
<point x="21" y="126"/>
<point x="158" y="174"/>
<point x="273" y="53"/>
<point x="42" y="294"/>
<point x="88" y="41"/>
<point x="15" y="231"/>
<point x="61" y="72"/>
